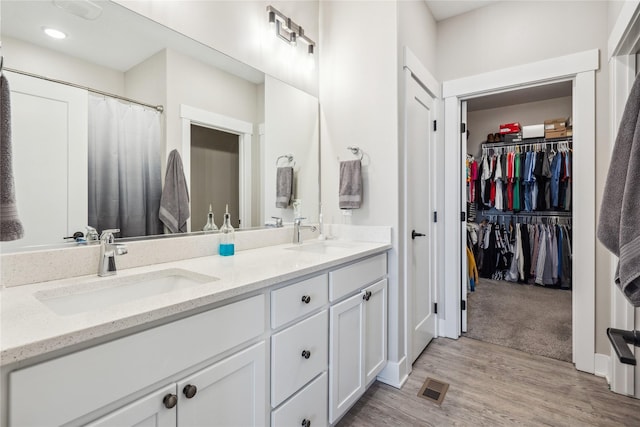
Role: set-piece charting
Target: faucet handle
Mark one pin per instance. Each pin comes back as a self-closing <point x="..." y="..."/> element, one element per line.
<point x="298" y="220"/>
<point x="108" y="234"/>
<point x="278" y="221"/>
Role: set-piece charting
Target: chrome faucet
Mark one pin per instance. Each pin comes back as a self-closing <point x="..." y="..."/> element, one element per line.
<point x="277" y="223"/>
<point x="108" y="251"/>
<point x="297" y="225"/>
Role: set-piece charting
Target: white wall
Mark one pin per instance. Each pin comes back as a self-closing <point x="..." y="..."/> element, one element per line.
<point x="34" y="59"/>
<point x="529" y="31"/>
<point x="240" y="29"/>
<point x="359" y="101"/>
<point x="482" y="122"/>
<point x="291" y="127"/>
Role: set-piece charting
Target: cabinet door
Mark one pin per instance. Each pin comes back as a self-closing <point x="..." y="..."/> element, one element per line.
<point x="149" y="411"/>
<point x="229" y="393"/>
<point x="375" y="312"/>
<point x="346" y="381"/>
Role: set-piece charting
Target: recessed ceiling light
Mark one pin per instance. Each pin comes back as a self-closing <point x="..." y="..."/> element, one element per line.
<point x="53" y="33"/>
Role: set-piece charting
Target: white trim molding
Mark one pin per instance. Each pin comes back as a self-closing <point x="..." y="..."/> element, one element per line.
<point x="394" y="374"/>
<point x="580" y="69"/>
<point x="523" y="75"/>
<point x="603" y="366"/>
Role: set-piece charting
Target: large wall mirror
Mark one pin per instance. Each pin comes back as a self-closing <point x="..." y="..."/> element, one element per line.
<point x="83" y="157"/>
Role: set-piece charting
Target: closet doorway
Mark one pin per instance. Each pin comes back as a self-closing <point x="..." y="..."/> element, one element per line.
<point x="578" y="68"/>
<point x="519" y="221"/>
<point x="214" y="176"/>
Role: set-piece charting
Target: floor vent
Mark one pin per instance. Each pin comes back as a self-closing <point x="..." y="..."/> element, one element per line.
<point x="433" y="390"/>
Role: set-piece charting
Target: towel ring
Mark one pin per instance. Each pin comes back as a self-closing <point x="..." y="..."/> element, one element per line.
<point x="288" y="157"/>
<point x="356" y="151"/>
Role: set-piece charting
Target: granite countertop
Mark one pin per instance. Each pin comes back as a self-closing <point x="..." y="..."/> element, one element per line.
<point x="29" y="328"/>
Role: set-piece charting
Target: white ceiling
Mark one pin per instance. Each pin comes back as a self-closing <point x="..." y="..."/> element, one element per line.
<point x="443" y="9"/>
<point x="118" y="39"/>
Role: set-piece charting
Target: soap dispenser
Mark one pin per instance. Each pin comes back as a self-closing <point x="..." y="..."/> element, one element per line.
<point x="227" y="242"/>
<point x="210" y="225"/>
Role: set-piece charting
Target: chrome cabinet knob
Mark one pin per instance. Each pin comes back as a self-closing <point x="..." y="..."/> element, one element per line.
<point x="170" y="400"/>
<point x="190" y="390"/>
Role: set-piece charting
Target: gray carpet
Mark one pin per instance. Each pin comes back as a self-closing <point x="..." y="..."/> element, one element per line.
<point x="530" y="318"/>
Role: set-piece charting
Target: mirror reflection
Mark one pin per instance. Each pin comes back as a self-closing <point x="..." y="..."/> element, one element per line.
<point x="83" y="156"/>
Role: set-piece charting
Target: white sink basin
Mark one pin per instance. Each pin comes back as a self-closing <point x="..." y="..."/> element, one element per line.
<point x="102" y="293"/>
<point x="324" y="246"/>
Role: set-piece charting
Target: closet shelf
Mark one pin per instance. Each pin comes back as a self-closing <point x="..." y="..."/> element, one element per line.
<point x="491" y="212"/>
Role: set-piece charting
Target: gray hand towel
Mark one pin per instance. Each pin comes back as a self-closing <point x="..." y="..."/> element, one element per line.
<point x="10" y="225"/>
<point x="174" y="203"/>
<point x="284" y="187"/>
<point x="350" y="195"/>
<point x="619" y="224"/>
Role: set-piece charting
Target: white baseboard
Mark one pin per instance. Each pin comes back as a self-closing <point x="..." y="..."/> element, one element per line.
<point x="602" y="366"/>
<point x="394" y="374"/>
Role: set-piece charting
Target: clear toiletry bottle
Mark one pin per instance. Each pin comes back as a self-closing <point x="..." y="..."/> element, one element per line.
<point x="210" y="225"/>
<point x="227" y="243"/>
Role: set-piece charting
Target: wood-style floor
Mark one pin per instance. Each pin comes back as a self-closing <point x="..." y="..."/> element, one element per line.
<point x="493" y="385"/>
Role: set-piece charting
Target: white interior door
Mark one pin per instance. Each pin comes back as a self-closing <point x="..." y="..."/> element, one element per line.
<point x="464" y="269"/>
<point x="49" y="144"/>
<point x="420" y="146"/>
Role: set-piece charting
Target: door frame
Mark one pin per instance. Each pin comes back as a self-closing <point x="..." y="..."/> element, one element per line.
<point x="623" y="43"/>
<point x="579" y="68"/>
<point x="414" y="69"/>
<point x="192" y="115"/>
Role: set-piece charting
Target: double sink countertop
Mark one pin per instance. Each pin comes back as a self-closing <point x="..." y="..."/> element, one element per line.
<point x="40" y="318"/>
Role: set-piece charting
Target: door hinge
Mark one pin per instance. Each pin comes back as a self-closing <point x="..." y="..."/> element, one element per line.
<point x="463" y="305"/>
<point x="463" y="127"/>
<point x="435" y="308"/>
<point x="435" y="125"/>
<point x="435" y="216"/>
<point x="463" y="216"/>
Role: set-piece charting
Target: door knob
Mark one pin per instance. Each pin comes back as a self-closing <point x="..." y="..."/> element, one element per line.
<point x="414" y="234"/>
<point x="190" y="390"/>
<point x="170" y="400"/>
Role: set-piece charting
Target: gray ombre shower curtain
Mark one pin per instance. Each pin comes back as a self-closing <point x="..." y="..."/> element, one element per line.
<point x="125" y="181"/>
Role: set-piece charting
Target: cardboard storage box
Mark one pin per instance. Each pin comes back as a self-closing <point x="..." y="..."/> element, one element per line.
<point x="533" y="131"/>
<point x="550" y="134"/>
<point x="555" y="124"/>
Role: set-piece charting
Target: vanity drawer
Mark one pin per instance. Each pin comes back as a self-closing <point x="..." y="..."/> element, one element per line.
<point x="290" y="302"/>
<point x="309" y="404"/>
<point x="346" y="280"/>
<point x="290" y="369"/>
<point x="74" y="385"/>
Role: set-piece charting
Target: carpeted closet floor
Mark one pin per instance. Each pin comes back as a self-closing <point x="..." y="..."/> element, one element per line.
<point x="530" y="318"/>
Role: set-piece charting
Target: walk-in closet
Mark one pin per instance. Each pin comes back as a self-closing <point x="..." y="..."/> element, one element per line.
<point x="519" y="219"/>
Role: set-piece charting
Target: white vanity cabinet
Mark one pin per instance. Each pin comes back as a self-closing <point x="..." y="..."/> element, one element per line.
<point x="358" y="331"/>
<point x="72" y="387"/>
<point x="299" y="353"/>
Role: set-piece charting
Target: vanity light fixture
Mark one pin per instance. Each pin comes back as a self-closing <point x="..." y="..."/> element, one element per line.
<point x="288" y="30"/>
<point x="53" y="33"/>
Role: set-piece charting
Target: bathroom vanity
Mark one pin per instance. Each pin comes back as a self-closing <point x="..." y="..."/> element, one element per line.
<point x="279" y="335"/>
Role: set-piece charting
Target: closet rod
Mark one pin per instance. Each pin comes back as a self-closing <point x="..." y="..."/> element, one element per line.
<point x="559" y="214"/>
<point x="159" y="108"/>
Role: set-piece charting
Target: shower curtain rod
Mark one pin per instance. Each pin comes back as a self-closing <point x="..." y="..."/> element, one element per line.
<point x="159" y="108"/>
